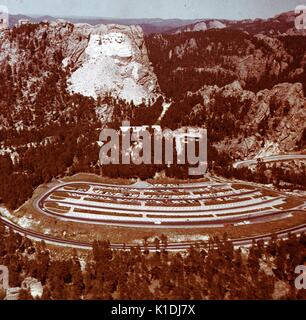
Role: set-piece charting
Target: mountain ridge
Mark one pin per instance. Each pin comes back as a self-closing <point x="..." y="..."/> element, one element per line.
<point x="278" y="24"/>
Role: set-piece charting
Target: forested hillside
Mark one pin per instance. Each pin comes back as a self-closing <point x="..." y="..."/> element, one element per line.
<point x="242" y="87"/>
<point x="206" y="271"/>
<point x="188" y="61"/>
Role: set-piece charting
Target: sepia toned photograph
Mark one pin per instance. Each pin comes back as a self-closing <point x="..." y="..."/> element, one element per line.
<point x="152" y="151"/>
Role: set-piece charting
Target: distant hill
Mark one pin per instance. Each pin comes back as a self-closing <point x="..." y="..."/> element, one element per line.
<point x="278" y="25"/>
<point x="148" y="25"/>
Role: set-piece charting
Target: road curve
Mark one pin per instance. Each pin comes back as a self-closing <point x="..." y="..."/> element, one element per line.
<point x="171" y="246"/>
<point x="288" y="157"/>
<point x="216" y="221"/>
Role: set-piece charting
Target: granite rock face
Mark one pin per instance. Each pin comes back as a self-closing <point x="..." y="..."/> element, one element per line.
<point x="111" y="59"/>
<point x="274" y="123"/>
<point x="98" y="59"/>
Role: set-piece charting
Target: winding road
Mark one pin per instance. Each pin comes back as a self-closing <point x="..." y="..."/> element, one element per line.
<point x="171" y="246"/>
<point x="288" y="157"/>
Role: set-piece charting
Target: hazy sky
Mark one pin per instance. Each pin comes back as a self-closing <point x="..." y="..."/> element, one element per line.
<point x="186" y="9"/>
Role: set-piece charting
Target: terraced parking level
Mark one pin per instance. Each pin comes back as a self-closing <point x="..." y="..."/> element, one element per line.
<point x="204" y="204"/>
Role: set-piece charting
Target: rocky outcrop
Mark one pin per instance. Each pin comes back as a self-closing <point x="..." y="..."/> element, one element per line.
<point x="98" y="59"/>
<point x="31" y="285"/>
<point x="274" y="123"/>
<point x="113" y="59"/>
<point x="287" y="105"/>
<point x="222" y="56"/>
<point x="110" y="59"/>
<point x="202" y="26"/>
<point x="258" y="63"/>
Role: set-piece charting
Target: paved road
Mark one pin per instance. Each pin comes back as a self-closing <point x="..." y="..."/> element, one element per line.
<point x="288" y="157"/>
<point x="172" y="246"/>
